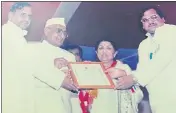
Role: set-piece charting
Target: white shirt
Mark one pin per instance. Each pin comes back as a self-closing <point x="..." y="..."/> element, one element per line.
<point x="157" y="74"/>
<point x="51" y="77"/>
<point x="17" y="95"/>
<point x="45" y="55"/>
<point x="21" y="63"/>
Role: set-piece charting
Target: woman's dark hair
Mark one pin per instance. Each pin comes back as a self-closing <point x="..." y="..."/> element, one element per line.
<point x="107" y="40"/>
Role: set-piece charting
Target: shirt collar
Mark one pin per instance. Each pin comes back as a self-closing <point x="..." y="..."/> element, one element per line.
<point x="149" y="34"/>
<point x="46" y="42"/>
<point x="14" y="26"/>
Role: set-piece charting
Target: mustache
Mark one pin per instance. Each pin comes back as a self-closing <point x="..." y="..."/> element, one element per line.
<point x="152" y="24"/>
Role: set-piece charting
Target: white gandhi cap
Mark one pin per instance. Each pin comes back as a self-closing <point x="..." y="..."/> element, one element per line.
<point x="60" y="21"/>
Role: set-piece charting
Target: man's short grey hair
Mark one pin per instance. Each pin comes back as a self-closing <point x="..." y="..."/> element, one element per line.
<point x="19" y="6"/>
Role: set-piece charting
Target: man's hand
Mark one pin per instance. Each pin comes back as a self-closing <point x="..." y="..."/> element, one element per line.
<point x="68" y="84"/>
<point x="66" y="71"/>
<point x="60" y="62"/>
<point x="125" y="82"/>
<point x="116" y="73"/>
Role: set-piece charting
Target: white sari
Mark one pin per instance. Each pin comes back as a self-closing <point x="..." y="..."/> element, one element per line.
<point x="117" y="101"/>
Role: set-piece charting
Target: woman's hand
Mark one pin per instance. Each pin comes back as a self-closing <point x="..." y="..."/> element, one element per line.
<point x="125" y="82"/>
<point x="116" y="73"/>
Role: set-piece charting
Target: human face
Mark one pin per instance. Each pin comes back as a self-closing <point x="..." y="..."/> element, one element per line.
<point x="105" y="52"/>
<point x="55" y="34"/>
<point x="21" y="17"/>
<point x="76" y="53"/>
<point x="151" y="20"/>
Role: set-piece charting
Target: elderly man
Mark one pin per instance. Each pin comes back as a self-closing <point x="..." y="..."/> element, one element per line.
<point x="157" y="62"/>
<point x="17" y="95"/>
<point x="52" y="85"/>
<point x="31" y="82"/>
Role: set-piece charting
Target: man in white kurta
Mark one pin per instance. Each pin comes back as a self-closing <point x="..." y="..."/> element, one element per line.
<point x="48" y="80"/>
<point x="51" y="94"/>
<point x="17" y="91"/>
<point x="157" y="62"/>
<point x="30" y="81"/>
<point x="157" y="74"/>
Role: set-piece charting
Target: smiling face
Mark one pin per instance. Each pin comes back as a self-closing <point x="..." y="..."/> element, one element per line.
<point x="105" y="51"/>
<point x="21" y="17"/>
<point x="151" y="20"/>
<point x="55" y="34"/>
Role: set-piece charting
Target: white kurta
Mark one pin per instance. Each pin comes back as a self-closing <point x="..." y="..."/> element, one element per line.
<point x="158" y="74"/>
<point x="17" y="82"/>
<point x="49" y="97"/>
<point x="21" y="63"/>
<point x="115" y="101"/>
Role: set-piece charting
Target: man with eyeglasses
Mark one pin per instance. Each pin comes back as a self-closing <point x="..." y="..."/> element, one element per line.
<point x="156" y="67"/>
<point x="151" y="19"/>
<point x="53" y="85"/>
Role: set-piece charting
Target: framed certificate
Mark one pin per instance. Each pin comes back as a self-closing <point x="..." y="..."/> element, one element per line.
<point x="90" y="75"/>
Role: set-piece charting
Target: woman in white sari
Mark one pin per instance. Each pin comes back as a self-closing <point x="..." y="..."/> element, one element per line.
<point x="111" y="100"/>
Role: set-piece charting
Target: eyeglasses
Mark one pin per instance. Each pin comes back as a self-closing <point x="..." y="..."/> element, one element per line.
<point x="153" y="18"/>
<point x="59" y="31"/>
<point x="62" y="32"/>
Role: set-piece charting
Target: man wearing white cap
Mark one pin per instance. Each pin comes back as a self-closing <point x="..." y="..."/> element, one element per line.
<point x="52" y="85"/>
